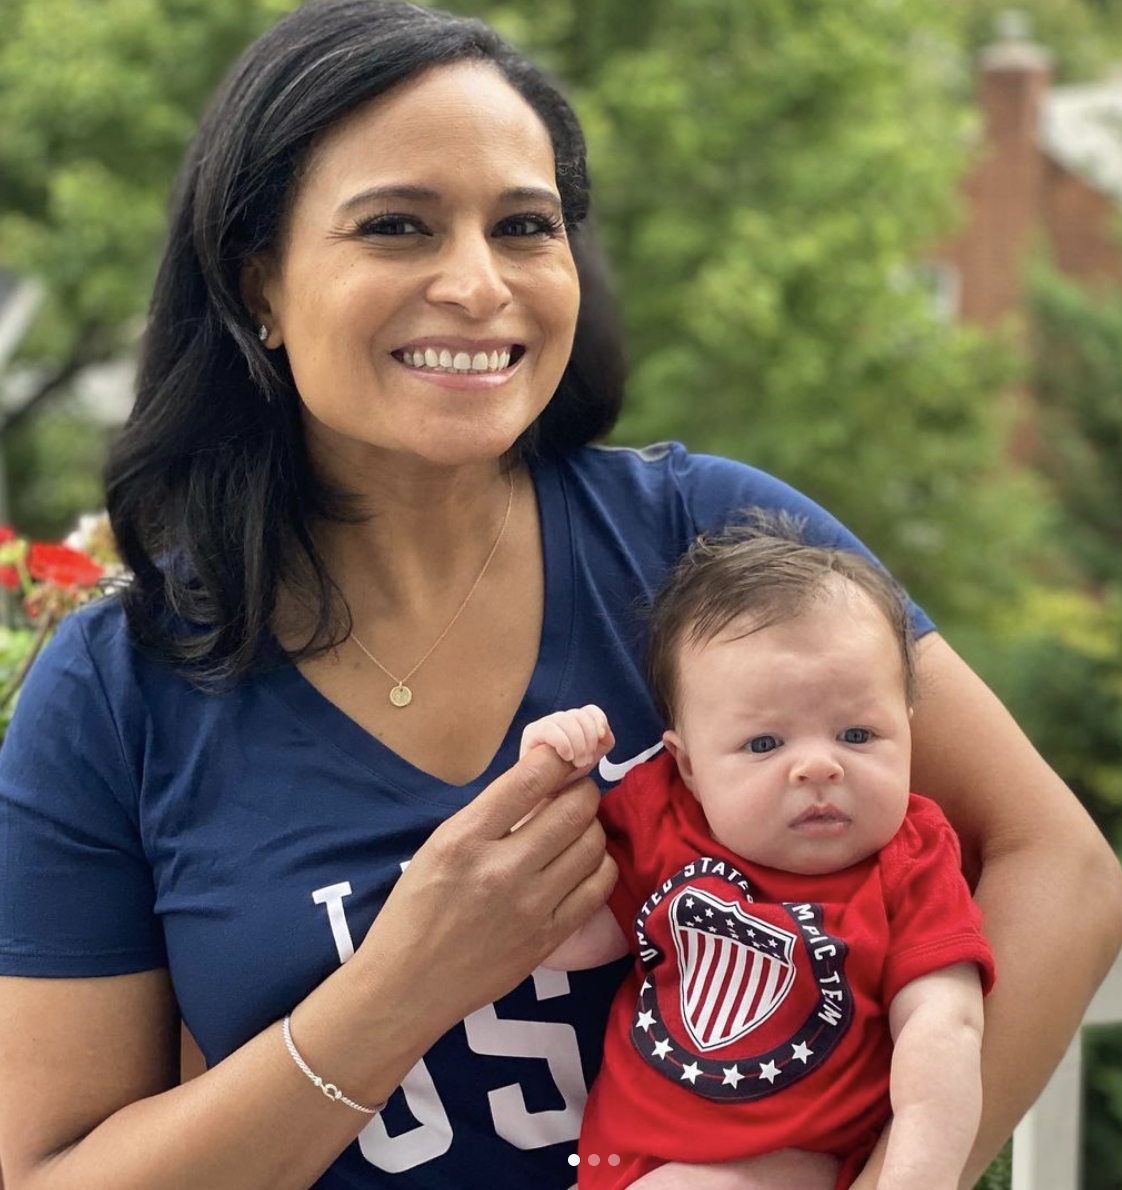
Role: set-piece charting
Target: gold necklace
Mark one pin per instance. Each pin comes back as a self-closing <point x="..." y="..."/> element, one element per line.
<point x="400" y="694"/>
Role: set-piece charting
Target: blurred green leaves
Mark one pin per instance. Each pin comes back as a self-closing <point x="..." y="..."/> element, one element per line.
<point x="97" y="103"/>
<point x="768" y="177"/>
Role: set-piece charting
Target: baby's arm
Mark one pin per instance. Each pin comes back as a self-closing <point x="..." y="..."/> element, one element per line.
<point x="581" y="737"/>
<point x="598" y="941"/>
<point x="936" y="1081"/>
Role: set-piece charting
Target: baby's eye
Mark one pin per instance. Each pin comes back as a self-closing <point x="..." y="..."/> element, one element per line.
<point x="763" y="743"/>
<point x="856" y="735"/>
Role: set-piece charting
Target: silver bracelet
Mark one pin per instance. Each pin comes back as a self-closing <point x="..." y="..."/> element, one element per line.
<point x="329" y="1089"/>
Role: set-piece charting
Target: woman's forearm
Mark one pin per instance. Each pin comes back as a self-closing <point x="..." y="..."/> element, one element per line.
<point x="85" y="1110"/>
<point x="254" y="1121"/>
<point x="1054" y="919"/>
<point x="1048" y="884"/>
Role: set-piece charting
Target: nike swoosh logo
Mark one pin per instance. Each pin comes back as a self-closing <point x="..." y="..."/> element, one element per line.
<point x="616" y="772"/>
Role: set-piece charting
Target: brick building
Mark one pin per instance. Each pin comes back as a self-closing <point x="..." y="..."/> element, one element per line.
<point x="1049" y="174"/>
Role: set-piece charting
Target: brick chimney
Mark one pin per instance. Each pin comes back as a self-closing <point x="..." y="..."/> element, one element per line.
<point x="1006" y="189"/>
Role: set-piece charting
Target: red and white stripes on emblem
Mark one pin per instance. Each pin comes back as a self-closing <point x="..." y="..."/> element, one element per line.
<point x="736" y="969"/>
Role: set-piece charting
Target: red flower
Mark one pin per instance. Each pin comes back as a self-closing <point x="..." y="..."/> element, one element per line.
<point x="63" y="566"/>
<point x="9" y="575"/>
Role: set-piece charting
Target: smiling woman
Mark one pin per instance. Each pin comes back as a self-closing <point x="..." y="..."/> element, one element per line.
<point x="380" y="348"/>
<point x="428" y="222"/>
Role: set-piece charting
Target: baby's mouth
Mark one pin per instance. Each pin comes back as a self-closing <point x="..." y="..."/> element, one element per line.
<point x="820" y="814"/>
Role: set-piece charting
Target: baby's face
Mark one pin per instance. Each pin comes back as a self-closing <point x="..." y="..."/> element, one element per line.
<point x="796" y="739"/>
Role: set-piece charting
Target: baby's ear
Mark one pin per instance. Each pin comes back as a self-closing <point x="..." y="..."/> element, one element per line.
<point x="676" y="746"/>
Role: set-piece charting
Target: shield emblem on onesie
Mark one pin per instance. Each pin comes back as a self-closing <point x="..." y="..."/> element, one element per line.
<point x="736" y="969"/>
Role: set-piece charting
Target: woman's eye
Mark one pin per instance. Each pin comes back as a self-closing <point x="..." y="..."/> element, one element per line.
<point x="763" y="743"/>
<point x="856" y="735"/>
<point x="521" y="226"/>
<point x="390" y="225"/>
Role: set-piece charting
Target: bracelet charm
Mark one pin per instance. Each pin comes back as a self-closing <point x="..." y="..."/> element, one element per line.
<point x="329" y="1089"/>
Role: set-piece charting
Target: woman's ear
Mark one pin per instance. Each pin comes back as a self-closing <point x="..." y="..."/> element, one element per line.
<point x="257" y="287"/>
<point x="675" y="745"/>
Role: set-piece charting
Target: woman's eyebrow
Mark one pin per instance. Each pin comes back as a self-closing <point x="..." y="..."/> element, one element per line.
<point x="405" y="193"/>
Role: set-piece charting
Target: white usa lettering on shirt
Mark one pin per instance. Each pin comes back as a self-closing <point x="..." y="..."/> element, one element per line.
<point x="488" y="1034"/>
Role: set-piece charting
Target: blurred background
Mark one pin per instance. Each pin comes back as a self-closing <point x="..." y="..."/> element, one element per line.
<point x="873" y="247"/>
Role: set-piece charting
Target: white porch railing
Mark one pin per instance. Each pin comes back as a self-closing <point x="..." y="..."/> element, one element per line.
<point x="1046" y="1145"/>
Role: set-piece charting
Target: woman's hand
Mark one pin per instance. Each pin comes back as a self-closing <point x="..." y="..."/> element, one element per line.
<point x="476" y="911"/>
<point x="481" y="904"/>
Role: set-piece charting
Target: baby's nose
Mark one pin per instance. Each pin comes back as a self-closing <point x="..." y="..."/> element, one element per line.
<point x="816" y="768"/>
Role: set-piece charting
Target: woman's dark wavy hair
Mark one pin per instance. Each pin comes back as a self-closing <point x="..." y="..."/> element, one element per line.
<point x="209" y="487"/>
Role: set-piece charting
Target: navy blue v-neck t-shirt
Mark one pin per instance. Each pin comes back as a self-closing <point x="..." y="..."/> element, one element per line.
<point x="246" y="840"/>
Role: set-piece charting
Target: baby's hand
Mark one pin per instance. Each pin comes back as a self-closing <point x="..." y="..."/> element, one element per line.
<point x="581" y="737"/>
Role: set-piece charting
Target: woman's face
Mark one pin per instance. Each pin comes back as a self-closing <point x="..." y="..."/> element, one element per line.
<point x="424" y="291"/>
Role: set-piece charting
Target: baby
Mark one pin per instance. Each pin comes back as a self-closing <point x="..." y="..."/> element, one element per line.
<point x="808" y="959"/>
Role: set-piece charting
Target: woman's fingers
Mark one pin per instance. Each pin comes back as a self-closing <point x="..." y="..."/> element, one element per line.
<point x="489" y="902"/>
<point x="486" y="910"/>
<point x="558" y="823"/>
<point x="500" y="807"/>
<point x="582" y="901"/>
<point x="582" y="858"/>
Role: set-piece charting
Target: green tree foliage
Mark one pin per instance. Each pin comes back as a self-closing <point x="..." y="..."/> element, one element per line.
<point x="769" y="177"/>
<point x="1078" y="380"/>
<point x="97" y="103"/>
<point x="1103" y="1059"/>
<point x="1078" y="352"/>
<point x="1054" y="655"/>
<point x="50" y="496"/>
<point x="1062" y="668"/>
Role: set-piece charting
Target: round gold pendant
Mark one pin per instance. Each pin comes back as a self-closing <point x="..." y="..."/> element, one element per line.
<point x="401" y="695"/>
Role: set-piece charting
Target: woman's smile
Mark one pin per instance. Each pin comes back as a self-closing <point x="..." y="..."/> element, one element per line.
<point x="463" y="364"/>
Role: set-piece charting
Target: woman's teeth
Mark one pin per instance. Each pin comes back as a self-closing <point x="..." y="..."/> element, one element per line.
<point x="443" y="360"/>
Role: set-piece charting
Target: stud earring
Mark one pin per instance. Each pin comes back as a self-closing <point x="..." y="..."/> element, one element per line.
<point x="262" y="332"/>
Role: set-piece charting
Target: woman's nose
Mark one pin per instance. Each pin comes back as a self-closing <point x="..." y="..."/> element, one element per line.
<point x="469" y="276"/>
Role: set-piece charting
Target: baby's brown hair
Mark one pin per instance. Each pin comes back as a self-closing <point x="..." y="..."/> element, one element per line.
<point x="765" y="570"/>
